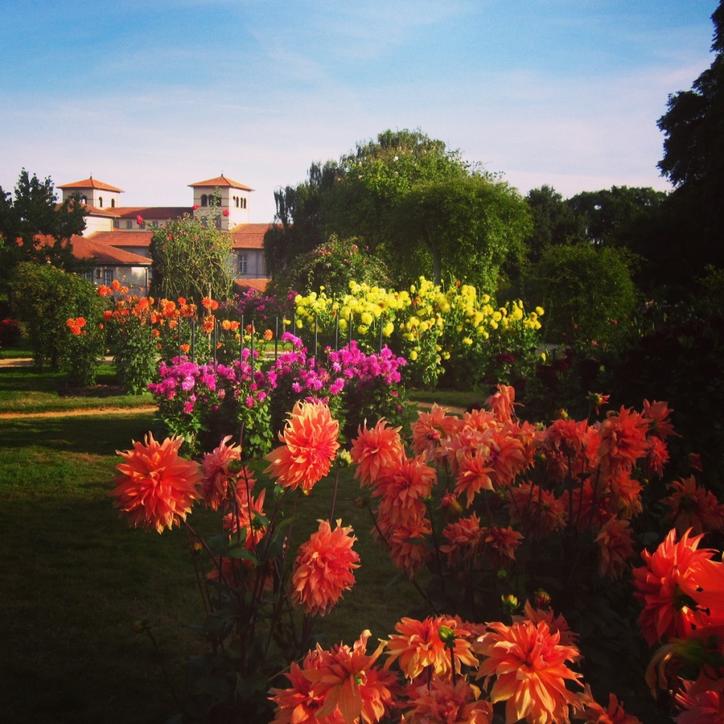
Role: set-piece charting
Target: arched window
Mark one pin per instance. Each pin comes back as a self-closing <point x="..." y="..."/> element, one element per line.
<point x="218" y="222"/>
<point x="100" y="202"/>
<point x="113" y="203"/>
<point x="83" y="200"/>
<point x="204" y="200"/>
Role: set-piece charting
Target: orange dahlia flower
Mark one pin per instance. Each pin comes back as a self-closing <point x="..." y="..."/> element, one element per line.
<point x="375" y="449"/>
<point x="418" y="645"/>
<point x="403" y="487"/>
<point x="693" y="506"/>
<point x="156" y="486"/>
<point x="623" y="439"/>
<point x="430" y="428"/>
<point x="502" y="403"/>
<point x="406" y="541"/>
<point x="535" y="510"/>
<point x="657" y="415"/>
<point x="615" y="547"/>
<point x="680" y="586"/>
<point x="446" y="702"/>
<point x="473" y="474"/>
<point x="347" y="682"/>
<point x="216" y="472"/>
<point x="529" y="666"/>
<point x="614" y="713"/>
<point x="556" y="623"/>
<point x="702" y="701"/>
<point x="324" y="568"/>
<point x="464" y="538"/>
<point x="310" y="445"/>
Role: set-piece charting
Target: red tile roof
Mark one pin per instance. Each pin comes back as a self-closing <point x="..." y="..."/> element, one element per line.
<point x="249" y="236"/>
<point x="88" y="249"/>
<point x="221" y="181"/>
<point x="258" y="283"/>
<point x="123" y="238"/>
<point x="148" y="212"/>
<point x="95" y="211"/>
<point x="91" y="183"/>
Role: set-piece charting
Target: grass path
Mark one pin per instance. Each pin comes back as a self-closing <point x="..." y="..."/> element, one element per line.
<point x="80" y="412"/>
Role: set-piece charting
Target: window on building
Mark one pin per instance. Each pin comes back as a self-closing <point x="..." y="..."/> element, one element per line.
<point x="204" y="200"/>
<point x="84" y="200"/>
<point x="204" y="221"/>
<point x="113" y="203"/>
<point x="243" y="206"/>
<point x="154" y="224"/>
<point x="242" y="263"/>
<point x="116" y="224"/>
<point x="218" y="222"/>
<point x="100" y="202"/>
<point x="129" y="224"/>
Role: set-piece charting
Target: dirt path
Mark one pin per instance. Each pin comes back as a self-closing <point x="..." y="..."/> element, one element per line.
<point x="80" y="412"/>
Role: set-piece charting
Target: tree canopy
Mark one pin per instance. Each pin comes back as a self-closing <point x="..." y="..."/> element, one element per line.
<point x="406" y="198"/>
<point x="33" y="210"/>
<point x="191" y="260"/>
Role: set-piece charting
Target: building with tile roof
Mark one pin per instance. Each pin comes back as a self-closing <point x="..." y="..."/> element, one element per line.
<point x="117" y="238"/>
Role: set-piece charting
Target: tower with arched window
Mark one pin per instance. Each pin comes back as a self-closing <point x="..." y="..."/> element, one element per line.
<point x="221" y="201"/>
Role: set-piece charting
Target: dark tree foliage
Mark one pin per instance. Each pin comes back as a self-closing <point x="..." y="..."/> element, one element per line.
<point x="32" y="210"/>
<point x="554" y="221"/>
<point x="693" y="126"/>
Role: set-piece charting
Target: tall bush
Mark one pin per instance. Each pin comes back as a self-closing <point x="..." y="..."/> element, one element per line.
<point x="45" y="299"/>
<point x="588" y="293"/>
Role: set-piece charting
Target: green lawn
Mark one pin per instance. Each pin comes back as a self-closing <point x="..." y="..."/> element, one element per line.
<point x="25" y="389"/>
<point x="74" y="578"/>
<point x="453" y="398"/>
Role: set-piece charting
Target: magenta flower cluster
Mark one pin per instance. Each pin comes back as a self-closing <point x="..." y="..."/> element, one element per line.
<point x="188" y="385"/>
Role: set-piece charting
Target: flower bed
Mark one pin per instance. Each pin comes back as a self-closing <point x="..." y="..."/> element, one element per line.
<point x="522" y="540"/>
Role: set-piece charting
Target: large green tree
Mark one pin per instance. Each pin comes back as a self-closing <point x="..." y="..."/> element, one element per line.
<point x="32" y="211"/>
<point x="464" y="227"/>
<point x="376" y="194"/>
<point x="693" y="128"/>
<point x="191" y="260"/>
<point x="554" y="221"/>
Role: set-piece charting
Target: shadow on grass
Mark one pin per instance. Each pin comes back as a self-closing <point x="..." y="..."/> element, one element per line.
<point x="97" y="435"/>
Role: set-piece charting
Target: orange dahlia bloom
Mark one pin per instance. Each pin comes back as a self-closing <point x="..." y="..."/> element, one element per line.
<point x="446" y="702"/>
<point x="419" y="644"/>
<point x="430" y="428"/>
<point x="324" y="568"/>
<point x="375" y="449"/>
<point x="502" y="403"/>
<point x="502" y="542"/>
<point x="464" y="538"/>
<point x="403" y="488"/>
<point x="556" y="624"/>
<point x="529" y="666"/>
<point x="216" y="472"/>
<point x="300" y="703"/>
<point x="658" y="455"/>
<point x="693" y="506"/>
<point x="310" y="445"/>
<point x="680" y="586"/>
<point x="347" y="682"/>
<point x="657" y="415"/>
<point x="535" y="510"/>
<point x="156" y="486"/>
<point x="702" y="701"/>
<point x="406" y="541"/>
<point x="245" y="514"/>
<point x="506" y="457"/>
<point x="615" y="547"/>
<point x="473" y="474"/>
<point x="623" y="439"/>
<point x="614" y="713"/>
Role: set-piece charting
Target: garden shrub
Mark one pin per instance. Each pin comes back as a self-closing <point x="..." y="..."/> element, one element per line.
<point x="331" y="266"/>
<point x="10" y="332"/>
<point x="45" y="299"/>
<point x="588" y="294"/>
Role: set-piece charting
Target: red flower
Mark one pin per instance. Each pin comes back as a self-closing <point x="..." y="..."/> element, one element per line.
<point x="702" y="701"/>
<point x="216" y="472"/>
<point x="375" y="449"/>
<point x="681" y="588"/>
<point x="502" y="403"/>
<point x="156" y="486"/>
<point x="324" y="568"/>
<point x="529" y="666"/>
<point x="403" y="489"/>
<point x="139" y="220"/>
<point x="225" y="212"/>
<point x="693" y="506"/>
<point x="310" y="445"/>
<point x="615" y="547"/>
<point x="418" y="645"/>
<point x="444" y="701"/>
<point x="657" y="415"/>
<point x="623" y="439"/>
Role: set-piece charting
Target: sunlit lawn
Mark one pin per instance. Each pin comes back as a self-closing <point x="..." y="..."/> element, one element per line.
<point x="74" y="578"/>
<point x="25" y="389"/>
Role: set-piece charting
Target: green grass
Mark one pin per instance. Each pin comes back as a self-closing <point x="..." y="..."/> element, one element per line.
<point x="12" y="352"/>
<point x="454" y="398"/>
<point x="26" y="389"/>
<point x="74" y="578"/>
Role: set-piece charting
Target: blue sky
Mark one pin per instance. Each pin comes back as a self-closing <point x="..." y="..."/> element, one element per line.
<point x="152" y="96"/>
